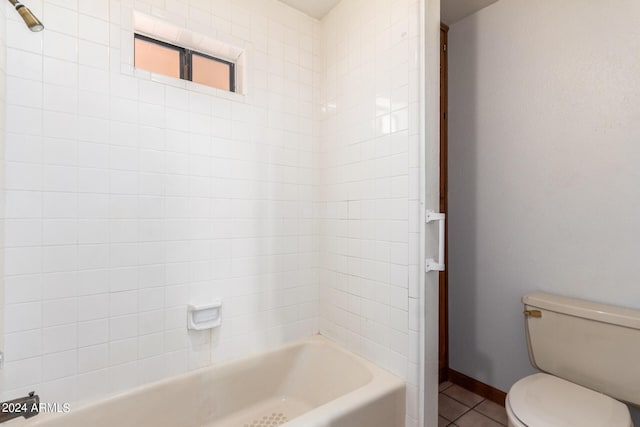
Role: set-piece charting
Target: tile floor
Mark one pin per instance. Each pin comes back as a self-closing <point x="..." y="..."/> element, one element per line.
<point x="461" y="408"/>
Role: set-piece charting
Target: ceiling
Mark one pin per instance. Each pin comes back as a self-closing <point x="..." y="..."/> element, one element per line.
<point x="453" y="11"/>
<point x="314" y="8"/>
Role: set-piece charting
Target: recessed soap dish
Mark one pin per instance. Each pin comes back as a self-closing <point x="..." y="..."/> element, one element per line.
<point x="204" y="316"/>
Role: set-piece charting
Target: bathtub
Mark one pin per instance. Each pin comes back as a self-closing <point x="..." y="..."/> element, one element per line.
<point x="310" y="383"/>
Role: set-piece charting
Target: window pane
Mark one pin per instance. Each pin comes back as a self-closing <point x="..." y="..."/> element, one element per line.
<point x="209" y="72"/>
<point x="157" y="58"/>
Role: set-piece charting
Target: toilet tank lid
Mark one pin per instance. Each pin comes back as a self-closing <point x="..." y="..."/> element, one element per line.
<point x="605" y="313"/>
<point x="545" y="400"/>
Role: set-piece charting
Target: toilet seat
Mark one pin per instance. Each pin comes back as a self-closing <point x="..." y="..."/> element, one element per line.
<point x="542" y="400"/>
<point x="514" y="421"/>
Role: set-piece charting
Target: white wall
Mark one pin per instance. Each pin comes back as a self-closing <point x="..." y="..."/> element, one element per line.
<point x="544" y="154"/>
<point x="369" y="187"/>
<point x="130" y="195"/>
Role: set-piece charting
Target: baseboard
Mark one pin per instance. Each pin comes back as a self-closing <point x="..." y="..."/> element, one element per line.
<point x="443" y="374"/>
<point x="479" y="388"/>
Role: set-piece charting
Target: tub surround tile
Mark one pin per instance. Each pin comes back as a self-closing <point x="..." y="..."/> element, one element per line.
<point x="369" y="194"/>
<point x="127" y="199"/>
<point x="297" y="203"/>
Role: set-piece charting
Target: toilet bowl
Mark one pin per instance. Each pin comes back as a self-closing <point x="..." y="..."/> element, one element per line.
<point x="586" y="353"/>
<point x="512" y="419"/>
<point x="542" y="400"/>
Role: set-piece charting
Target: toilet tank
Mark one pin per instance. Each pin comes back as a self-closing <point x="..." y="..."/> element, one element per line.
<point x="594" y="345"/>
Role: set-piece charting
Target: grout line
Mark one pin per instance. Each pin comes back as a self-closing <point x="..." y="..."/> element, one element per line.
<point x="472" y="408"/>
<point x="465" y="413"/>
<point x="488" y="416"/>
<point x="461" y="415"/>
<point x="454" y="401"/>
<point x="464" y="404"/>
<point x="478" y="404"/>
<point x="447" y="387"/>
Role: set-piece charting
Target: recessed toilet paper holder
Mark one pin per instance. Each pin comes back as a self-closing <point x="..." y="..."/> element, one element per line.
<point x="204" y="316"/>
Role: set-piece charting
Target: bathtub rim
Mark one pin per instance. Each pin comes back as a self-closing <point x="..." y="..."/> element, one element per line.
<point x="380" y="384"/>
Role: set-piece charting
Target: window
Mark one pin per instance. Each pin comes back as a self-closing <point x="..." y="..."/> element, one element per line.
<point x="161" y="58"/>
<point x="174" y="61"/>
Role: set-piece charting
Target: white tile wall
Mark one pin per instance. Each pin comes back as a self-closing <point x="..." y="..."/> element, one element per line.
<point x="130" y="195"/>
<point x="368" y="193"/>
<point x="3" y="98"/>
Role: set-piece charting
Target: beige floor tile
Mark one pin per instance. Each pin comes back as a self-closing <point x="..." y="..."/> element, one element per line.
<point x="443" y="422"/>
<point x="445" y="385"/>
<point x="476" y="419"/>
<point x="463" y="396"/>
<point x="493" y="411"/>
<point x="449" y="408"/>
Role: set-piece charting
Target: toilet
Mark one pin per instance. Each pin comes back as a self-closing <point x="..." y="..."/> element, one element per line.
<point x="589" y="355"/>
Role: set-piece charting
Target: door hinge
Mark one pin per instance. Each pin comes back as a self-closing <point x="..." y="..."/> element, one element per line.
<point x="444" y="47"/>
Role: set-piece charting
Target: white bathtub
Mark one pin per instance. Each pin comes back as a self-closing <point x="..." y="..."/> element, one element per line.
<point x="310" y="383"/>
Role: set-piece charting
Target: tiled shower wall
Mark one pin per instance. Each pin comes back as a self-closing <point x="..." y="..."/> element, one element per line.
<point x="3" y="97"/>
<point x="369" y="184"/>
<point x="130" y="195"/>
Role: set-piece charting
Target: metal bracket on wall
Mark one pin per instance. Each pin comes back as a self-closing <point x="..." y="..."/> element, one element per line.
<point x="430" y="263"/>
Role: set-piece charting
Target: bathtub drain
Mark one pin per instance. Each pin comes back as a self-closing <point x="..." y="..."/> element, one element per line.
<point x="275" y="419"/>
